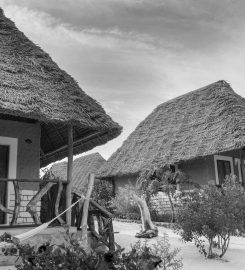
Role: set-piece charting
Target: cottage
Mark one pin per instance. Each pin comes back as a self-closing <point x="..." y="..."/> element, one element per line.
<point x="82" y="167"/>
<point x="44" y="117"/>
<point x="202" y="133"/>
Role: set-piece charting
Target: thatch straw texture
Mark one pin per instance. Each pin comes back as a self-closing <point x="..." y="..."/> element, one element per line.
<point x="200" y="123"/>
<point x="34" y="88"/>
<point x="82" y="167"/>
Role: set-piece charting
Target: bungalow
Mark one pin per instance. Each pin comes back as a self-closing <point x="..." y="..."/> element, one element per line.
<point x="202" y="133"/>
<point x="44" y="117"/>
<point x="82" y="167"/>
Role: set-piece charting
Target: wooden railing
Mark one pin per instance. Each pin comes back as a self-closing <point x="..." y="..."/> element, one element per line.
<point x="102" y="231"/>
<point x="32" y="205"/>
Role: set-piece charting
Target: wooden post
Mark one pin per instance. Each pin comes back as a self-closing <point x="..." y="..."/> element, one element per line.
<point x="32" y="205"/>
<point x="84" y="225"/>
<point x="69" y="174"/>
<point x="111" y="236"/>
<point x="242" y="165"/>
<point x="17" y="203"/>
<point x="177" y="184"/>
<point x="57" y="203"/>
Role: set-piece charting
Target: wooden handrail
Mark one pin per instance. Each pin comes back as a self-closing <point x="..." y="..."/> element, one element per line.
<point x="101" y="209"/>
<point x="34" y="180"/>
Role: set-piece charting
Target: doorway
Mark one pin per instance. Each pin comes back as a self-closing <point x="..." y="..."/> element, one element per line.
<point x="4" y="165"/>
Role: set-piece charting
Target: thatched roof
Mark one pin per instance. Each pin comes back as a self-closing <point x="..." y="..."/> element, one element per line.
<point x="82" y="167"/>
<point x="200" y="123"/>
<point x="34" y="89"/>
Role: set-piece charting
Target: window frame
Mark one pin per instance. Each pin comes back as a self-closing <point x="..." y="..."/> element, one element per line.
<point x="224" y="158"/>
<point x="238" y="163"/>
<point x="12" y="167"/>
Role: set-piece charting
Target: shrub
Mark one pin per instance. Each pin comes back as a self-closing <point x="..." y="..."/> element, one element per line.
<point x="103" y="193"/>
<point x="158" y="256"/>
<point x="123" y="206"/>
<point x="213" y="213"/>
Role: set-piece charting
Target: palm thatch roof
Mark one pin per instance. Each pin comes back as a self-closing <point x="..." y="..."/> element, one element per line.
<point x="34" y="89"/>
<point x="82" y="167"/>
<point x="200" y="123"/>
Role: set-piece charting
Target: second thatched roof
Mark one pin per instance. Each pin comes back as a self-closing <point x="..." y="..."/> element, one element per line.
<point x="82" y="167"/>
<point x="34" y="89"/>
<point x="200" y="123"/>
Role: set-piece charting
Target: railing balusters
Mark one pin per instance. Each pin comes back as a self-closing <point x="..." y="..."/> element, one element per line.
<point x="57" y="203"/>
<point x="32" y="205"/>
<point x="111" y="236"/>
<point x="17" y="203"/>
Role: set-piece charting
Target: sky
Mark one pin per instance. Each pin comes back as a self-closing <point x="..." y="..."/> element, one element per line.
<point x="132" y="55"/>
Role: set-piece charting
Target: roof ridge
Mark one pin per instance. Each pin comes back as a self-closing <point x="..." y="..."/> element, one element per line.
<point x="79" y="158"/>
<point x="201" y="89"/>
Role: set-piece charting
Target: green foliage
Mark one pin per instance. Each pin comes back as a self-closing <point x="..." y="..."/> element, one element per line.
<point x="6" y="237"/>
<point x="103" y="193"/>
<point x="164" y="179"/>
<point x="72" y="257"/>
<point x="168" y="257"/>
<point x="144" y="257"/>
<point x="123" y="205"/>
<point x="213" y="213"/>
<point x="56" y="257"/>
<point x="9" y="248"/>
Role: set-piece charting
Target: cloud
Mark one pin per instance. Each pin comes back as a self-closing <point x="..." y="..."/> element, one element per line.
<point x="189" y="24"/>
<point x="133" y="55"/>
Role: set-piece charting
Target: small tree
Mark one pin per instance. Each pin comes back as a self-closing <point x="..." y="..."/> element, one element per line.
<point x="161" y="179"/>
<point x="149" y="183"/>
<point x="213" y="213"/>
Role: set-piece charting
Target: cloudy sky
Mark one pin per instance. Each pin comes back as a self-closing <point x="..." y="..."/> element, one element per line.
<point x="132" y="55"/>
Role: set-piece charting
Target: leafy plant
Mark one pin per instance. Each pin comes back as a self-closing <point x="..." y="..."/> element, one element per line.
<point x="123" y="205"/>
<point x="140" y="257"/>
<point x="163" y="179"/>
<point x="72" y="257"/>
<point x="213" y="213"/>
<point x="158" y="256"/>
<point x="103" y="193"/>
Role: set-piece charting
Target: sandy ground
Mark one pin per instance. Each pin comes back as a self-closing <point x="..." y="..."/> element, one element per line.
<point x="192" y="259"/>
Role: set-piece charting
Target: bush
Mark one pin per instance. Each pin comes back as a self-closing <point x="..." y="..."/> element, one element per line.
<point x="103" y="193"/>
<point x="159" y="256"/>
<point x="213" y="213"/>
<point x="72" y="257"/>
<point x="123" y="206"/>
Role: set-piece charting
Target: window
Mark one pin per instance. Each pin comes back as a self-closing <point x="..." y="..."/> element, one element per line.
<point x="223" y="166"/>
<point x="238" y="163"/>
